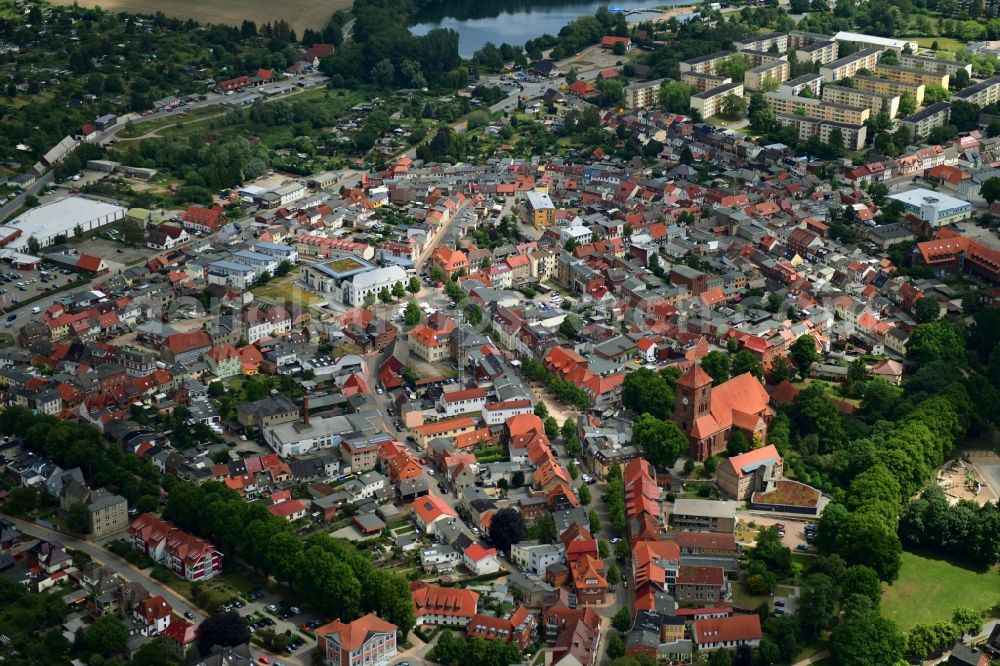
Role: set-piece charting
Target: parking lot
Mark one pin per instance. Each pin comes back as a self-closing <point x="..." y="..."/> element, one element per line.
<point x="794" y="537"/>
<point x="264" y="611"/>
<point x="18" y="285"/>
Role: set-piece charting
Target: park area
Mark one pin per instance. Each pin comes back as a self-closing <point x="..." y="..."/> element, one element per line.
<point x="300" y="14"/>
<point x="929" y="589"/>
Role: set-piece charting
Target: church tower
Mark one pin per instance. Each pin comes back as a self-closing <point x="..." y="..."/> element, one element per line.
<point x="694" y="397"/>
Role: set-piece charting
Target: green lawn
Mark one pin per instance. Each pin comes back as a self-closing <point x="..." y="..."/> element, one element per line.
<point x="930" y="588"/>
<point x="944" y="43"/>
<point x="743" y="599"/>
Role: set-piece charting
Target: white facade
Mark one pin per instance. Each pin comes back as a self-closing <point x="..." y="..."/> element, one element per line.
<point x="536" y="558"/>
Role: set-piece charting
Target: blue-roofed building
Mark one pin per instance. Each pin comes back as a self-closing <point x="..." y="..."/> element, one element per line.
<point x="261" y="262"/>
<point x="281" y="252"/>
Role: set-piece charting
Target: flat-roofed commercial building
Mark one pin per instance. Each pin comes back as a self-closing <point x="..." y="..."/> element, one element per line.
<point x="933" y="64"/>
<point x="812" y="82"/>
<point x="848" y="66"/>
<point x="923" y="121"/>
<point x="707" y="64"/>
<point x="768" y="75"/>
<point x="704" y="82"/>
<point x="982" y="93"/>
<point x="852" y="136"/>
<point x="764" y="42"/>
<point x="821" y="52"/>
<point x="890" y="87"/>
<point x="935" y="208"/>
<point x="863" y="41"/>
<point x="861" y="98"/>
<point x="709" y="103"/>
<point x="643" y="94"/>
<point x="815" y="108"/>
<point x="907" y="75"/>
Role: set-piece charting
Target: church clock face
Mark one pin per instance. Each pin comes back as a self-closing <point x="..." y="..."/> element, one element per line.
<point x="684" y="400"/>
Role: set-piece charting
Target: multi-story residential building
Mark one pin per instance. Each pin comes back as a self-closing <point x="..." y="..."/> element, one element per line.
<point x="106" y="515"/>
<point x="936" y="65"/>
<point x="232" y="274"/>
<point x="704" y="515"/>
<point x="852" y="136"/>
<point x="709" y="103"/>
<point x="887" y="87"/>
<point x="799" y="38"/>
<point x="706" y="585"/>
<point x="497" y="413"/>
<point x="278" y="251"/>
<point x="775" y="40"/>
<point x="755" y="58"/>
<point x="874" y="102"/>
<point x="224" y="360"/>
<point x="267" y="412"/>
<point x="822" y="52"/>
<point x="863" y="41"/>
<point x="643" y="94"/>
<point x="360" y="453"/>
<point x="923" y="121"/>
<point x="534" y="557"/>
<point x="707" y="64"/>
<point x="703" y="82"/>
<point x="810" y="82"/>
<point x="848" y="66"/>
<point x="809" y="107"/>
<point x="447" y="606"/>
<point x="715" y="633"/>
<point x="738" y="477"/>
<point x="367" y="641"/>
<point x="907" y="75"/>
<point x="262" y="263"/>
<point x="982" y="93"/>
<point x="767" y="75"/>
<point x="541" y="209"/>
<point x="188" y="556"/>
<point x="466" y="401"/>
<point x="431" y="341"/>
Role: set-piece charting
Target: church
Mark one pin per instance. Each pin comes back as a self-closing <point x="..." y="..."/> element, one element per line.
<point x="710" y="415"/>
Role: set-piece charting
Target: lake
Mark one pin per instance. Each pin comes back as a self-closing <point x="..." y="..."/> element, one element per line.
<point x="482" y="21"/>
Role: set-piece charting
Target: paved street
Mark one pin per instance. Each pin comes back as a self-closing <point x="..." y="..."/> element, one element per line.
<point x="17" y="200"/>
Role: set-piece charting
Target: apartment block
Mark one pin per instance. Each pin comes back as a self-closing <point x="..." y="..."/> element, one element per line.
<point x="707" y="64"/>
<point x="768" y="75"/>
<point x="922" y="122"/>
<point x="795" y="86"/>
<point x="863" y="41"/>
<point x="778" y="40"/>
<point x="848" y="66"/>
<point x="861" y="98"/>
<point x="815" y="108"/>
<point x="853" y="135"/>
<point x="982" y="93"/>
<point x="704" y="82"/>
<point x="709" y="103"/>
<point x="755" y="58"/>
<point x="798" y="38"/>
<point x="889" y="87"/>
<point x="822" y="52"/>
<point x="642" y="95"/>
<point x="907" y="75"/>
<point x="933" y="64"/>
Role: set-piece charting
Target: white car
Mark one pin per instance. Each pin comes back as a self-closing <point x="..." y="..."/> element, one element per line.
<point x="379" y="390"/>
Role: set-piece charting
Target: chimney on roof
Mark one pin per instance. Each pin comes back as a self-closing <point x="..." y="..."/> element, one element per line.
<point x="305" y="410"/>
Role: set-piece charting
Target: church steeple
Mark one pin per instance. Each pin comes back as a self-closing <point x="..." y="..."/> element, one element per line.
<point x="694" y="397"/>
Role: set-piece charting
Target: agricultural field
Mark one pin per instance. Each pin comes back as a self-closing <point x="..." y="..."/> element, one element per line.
<point x="300" y="14"/>
<point x="930" y="588"/>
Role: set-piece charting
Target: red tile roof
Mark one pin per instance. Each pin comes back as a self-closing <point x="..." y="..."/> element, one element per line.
<point x="447" y="601"/>
<point x="353" y="635"/>
<point x="727" y="629"/>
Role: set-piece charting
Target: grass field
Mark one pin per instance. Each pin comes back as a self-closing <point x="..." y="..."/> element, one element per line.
<point x="944" y="43"/>
<point x="301" y="14"/>
<point x="929" y="589"/>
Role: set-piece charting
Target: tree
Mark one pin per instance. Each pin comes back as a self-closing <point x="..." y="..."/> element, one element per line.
<point x="817" y="605"/>
<point x="863" y="581"/>
<point x="969" y="621"/>
<point x="926" y="309"/>
<point x="935" y="341"/>
<point x="646" y="391"/>
<point x="744" y="361"/>
<point x="506" y="528"/>
<point x="411" y="315"/>
<point x="907" y="105"/>
<point x="733" y="107"/>
<point x="716" y="364"/>
<point x="413" y="286"/>
<point x="33" y="245"/>
<point x="547" y="530"/>
<point x="541" y="411"/>
<point x="721" y="657"/>
<point x="76" y="519"/>
<point x="226" y="629"/>
<point x="107" y="636"/>
<point x="804" y="354"/>
<point x="584" y="495"/>
<point x="398" y="290"/>
<point x="990" y="189"/>
<point x="866" y="638"/>
<point x="622" y="619"/>
<point x="595" y="521"/>
<point x="385" y="295"/>
<point x="661" y="441"/>
<point x="737" y="443"/>
<point x="616" y="647"/>
<point x="551" y="427"/>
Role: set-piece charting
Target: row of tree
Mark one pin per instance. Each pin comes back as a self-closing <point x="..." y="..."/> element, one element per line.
<point x="965" y="530"/>
<point x="328" y="574"/>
